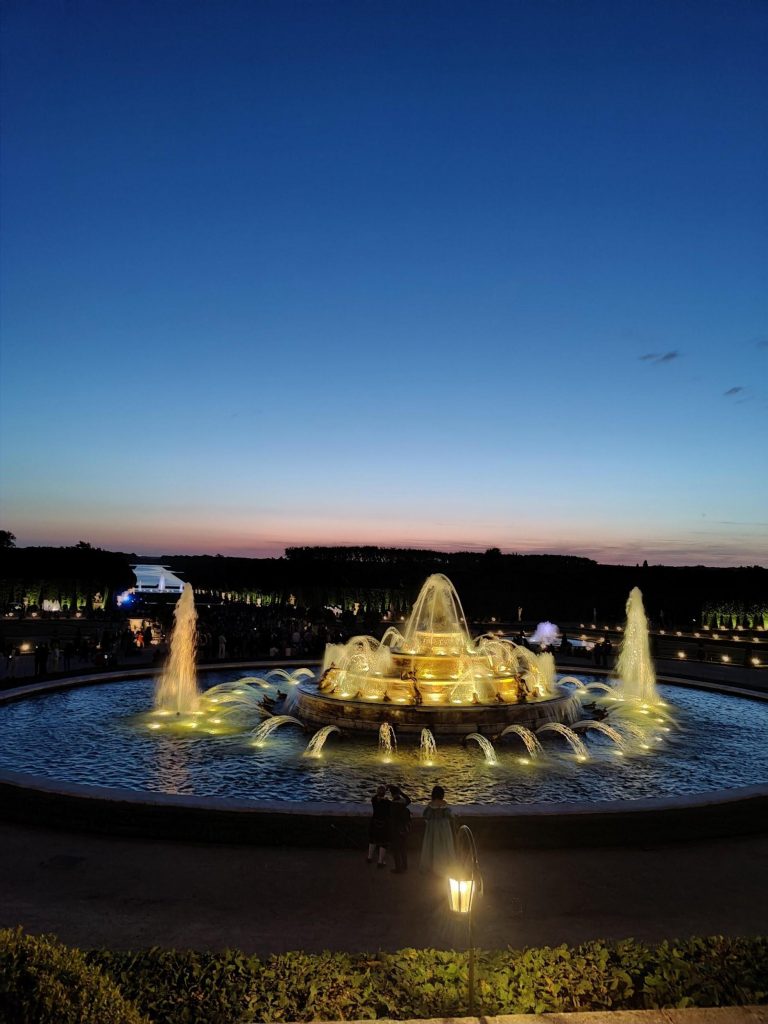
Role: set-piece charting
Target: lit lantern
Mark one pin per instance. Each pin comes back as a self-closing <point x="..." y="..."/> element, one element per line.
<point x="462" y="893"/>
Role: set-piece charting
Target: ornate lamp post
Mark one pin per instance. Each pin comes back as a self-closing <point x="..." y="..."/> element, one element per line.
<point x="465" y="885"/>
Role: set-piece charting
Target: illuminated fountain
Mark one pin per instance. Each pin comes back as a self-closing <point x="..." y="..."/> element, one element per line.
<point x="391" y="702"/>
<point x="434" y="675"/>
<point x="635" y="669"/>
<point x="176" y="689"/>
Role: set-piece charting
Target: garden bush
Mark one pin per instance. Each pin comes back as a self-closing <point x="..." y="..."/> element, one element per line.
<point x="45" y="982"/>
<point x="171" y="987"/>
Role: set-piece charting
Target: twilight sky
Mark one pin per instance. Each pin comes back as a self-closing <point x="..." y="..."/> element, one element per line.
<point x="428" y="273"/>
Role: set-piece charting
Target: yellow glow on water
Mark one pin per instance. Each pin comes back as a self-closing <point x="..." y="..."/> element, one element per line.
<point x="154" y="725"/>
<point x="216" y="721"/>
<point x="619" y="753"/>
<point x="523" y="760"/>
<point x="581" y="757"/>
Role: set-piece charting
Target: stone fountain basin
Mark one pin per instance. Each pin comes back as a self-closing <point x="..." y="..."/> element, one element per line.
<point x="318" y="709"/>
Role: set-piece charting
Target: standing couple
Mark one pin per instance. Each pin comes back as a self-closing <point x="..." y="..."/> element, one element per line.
<point x="391" y="823"/>
<point x="389" y="828"/>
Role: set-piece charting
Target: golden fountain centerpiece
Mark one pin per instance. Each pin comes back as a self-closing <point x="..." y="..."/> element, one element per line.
<point x="434" y="674"/>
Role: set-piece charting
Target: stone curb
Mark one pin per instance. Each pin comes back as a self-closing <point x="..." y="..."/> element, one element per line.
<point x="698" y="1015"/>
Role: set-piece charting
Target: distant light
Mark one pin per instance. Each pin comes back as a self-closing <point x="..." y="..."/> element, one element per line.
<point x="681" y="654"/>
<point x="726" y="657"/>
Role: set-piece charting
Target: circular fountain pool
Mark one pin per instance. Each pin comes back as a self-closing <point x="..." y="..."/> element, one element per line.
<point x="87" y="736"/>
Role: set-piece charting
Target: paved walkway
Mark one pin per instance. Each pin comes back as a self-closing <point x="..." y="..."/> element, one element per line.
<point x="93" y="891"/>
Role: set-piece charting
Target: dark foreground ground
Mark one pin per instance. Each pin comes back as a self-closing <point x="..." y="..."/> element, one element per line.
<point x="121" y="893"/>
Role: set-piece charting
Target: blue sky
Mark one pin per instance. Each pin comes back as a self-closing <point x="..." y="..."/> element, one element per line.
<point x="426" y="273"/>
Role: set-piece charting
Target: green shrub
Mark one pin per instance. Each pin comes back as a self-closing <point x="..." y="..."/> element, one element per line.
<point x="184" y="986"/>
<point x="172" y="987"/>
<point x="45" y="982"/>
<point x="708" y="972"/>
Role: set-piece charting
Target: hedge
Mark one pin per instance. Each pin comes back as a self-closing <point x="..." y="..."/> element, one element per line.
<point x="180" y="987"/>
<point x="44" y="982"/>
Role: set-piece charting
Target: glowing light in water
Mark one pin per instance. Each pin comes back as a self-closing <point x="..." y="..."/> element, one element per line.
<point x="532" y="745"/>
<point x="261" y="732"/>
<point x="486" y="746"/>
<point x="176" y="689"/>
<point x="573" y="740"/>
<point x="316" y="744"/>
<point x="427" y="747"/>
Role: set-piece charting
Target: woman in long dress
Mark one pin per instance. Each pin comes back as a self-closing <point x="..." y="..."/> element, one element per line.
<point x="437" y="850"/>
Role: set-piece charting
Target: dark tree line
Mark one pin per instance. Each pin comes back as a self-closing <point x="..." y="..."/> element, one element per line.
<point x="376" y="580"/>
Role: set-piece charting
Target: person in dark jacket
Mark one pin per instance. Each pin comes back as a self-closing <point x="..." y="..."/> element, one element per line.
<point x="399" y="827"/>
<point x="378" y="830"/>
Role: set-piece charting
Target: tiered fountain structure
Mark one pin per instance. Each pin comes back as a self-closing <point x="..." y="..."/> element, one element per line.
<point x="434" y="675"/>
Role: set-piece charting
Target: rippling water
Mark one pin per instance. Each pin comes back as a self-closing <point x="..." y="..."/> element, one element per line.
<point x="85" y="736"/>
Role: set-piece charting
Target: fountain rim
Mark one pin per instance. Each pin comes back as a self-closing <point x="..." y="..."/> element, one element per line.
<point x="42" y="801"/>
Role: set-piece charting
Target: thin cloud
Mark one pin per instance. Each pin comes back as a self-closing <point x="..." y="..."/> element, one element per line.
<point x="660" y="357"/>
<point x="734" y="391"/>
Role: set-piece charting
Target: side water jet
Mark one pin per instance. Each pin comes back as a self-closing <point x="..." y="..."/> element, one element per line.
<point x="316" y="744"/>
<point x="427" y="747"/>
<point x="637" y="676"/>
<point x="290" y="677"/>
<point x="598" y="688"/>
<point x="387" y="740"/>
<point x="532" y="745"/>
<point x="486" y="746"/>
<point x="176" y="689"/>
<point x="261" y="732"/>
<point x="576" y="745"/>
<point x="607" y="730"/>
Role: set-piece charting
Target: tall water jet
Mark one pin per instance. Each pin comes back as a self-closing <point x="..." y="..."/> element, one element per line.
<point x="316" y="744"/>
<point x="427" y="747"/>
<point x="176" y="689"/>
<point x="387" y="740"/>
<point x="486" y="746"/>
<point x="635" y="669"/>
